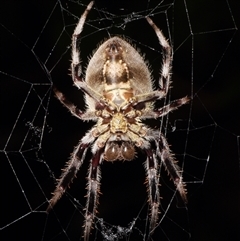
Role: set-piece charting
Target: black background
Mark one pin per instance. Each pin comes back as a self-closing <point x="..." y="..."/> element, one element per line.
<point x="213" y="210"/>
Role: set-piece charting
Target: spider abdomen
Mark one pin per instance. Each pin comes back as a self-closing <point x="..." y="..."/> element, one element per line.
<point x="117" y="71"/>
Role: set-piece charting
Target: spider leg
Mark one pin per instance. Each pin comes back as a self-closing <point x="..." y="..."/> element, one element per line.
<point x="164" y="80"/>
<point x="89" y="115"/>
<point x="153" y="188"/>
<point x="93" y="191"/>
<point x="77" y="74"/>
<point x="165" y="109"/>
<point x="76" y="61"/>
<point x="68" y="173"/>
<point x="171" y="166"/>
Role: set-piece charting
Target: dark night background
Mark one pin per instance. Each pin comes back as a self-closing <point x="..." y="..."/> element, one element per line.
<point x="26" y="75"/>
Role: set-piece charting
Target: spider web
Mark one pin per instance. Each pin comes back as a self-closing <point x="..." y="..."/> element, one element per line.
<point x="38" y="134"/>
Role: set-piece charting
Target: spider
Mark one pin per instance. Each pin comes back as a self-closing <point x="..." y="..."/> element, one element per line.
<point x="119" y="94"/>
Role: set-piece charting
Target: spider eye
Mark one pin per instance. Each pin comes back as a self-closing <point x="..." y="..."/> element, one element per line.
<point x="127" y="151"/>
<point x="112" y="152"/>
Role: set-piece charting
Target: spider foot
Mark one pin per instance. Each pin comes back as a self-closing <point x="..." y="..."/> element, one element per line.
<point x="88" y="226"/>
<point x="56" y="196"/>
<point x="181" y="188"/>
<point x="154" y="214"/>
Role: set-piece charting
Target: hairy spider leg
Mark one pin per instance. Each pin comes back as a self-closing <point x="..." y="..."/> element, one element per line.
<point x="164" y="81"/>
<point x="169" y="162"/>
<point x="151" y="166"/>
<point x="68" y="173"/>
<point x="152" y="172"/>
<point x="93" y="185"/>
<point x="165" y="109"/>
<point x="76" y="61"/>
<point x="93" y="192"/>
<point x="88" y="115"/>
<point x="77" y="74"/>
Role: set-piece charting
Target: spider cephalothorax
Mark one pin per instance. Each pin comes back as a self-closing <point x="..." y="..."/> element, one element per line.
<point x="119" y="94"/>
